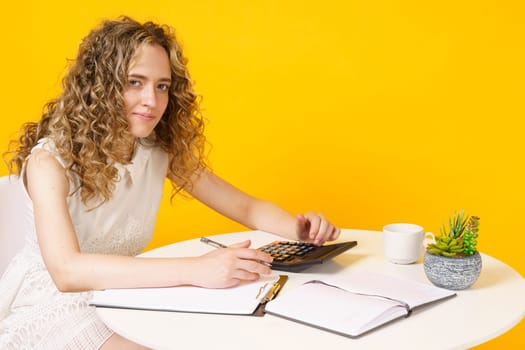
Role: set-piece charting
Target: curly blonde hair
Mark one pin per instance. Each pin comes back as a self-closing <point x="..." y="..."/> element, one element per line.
<point x="87" y="122"/>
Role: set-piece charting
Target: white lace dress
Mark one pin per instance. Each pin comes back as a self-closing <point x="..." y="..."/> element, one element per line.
<point x="33" y="313"/>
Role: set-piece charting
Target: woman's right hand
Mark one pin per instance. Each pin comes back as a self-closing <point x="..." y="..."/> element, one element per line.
<point x="227" y="267"/>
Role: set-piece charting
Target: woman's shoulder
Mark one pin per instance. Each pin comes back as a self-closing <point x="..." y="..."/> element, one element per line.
<point x="48" y="145"/>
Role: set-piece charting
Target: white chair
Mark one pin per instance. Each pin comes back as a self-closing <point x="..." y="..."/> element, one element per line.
<point x="13" y="221"/>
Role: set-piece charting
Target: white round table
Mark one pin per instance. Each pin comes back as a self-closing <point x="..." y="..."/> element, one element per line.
<point x="494" y="304"/>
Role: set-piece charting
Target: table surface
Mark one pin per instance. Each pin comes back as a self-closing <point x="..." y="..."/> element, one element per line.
<point x="494" y="304"/>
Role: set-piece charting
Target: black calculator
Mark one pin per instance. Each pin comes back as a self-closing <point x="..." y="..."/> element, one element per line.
<point x="296" y="256"/>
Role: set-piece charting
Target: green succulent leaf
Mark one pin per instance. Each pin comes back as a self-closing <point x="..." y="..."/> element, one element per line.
<point x="459" y="237"/>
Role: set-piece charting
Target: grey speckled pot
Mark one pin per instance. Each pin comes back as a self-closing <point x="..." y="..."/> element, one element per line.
<point x="452" y="273"/>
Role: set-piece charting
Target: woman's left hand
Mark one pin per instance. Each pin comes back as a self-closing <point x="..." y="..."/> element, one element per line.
<point x="315" y="228"/>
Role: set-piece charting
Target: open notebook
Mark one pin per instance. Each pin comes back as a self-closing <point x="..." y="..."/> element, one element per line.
<point x="244" y="299"/>
<point x="351" y="305"/>
<point x="355" y="304"/>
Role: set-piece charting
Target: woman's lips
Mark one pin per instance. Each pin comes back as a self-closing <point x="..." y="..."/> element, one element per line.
<point x="144" y="116"/>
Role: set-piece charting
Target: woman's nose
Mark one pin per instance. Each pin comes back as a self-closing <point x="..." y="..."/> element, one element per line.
<point x="149" y="97"/>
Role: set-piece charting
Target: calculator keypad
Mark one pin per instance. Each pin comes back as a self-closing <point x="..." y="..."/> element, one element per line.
<point x="294" y="256"/>
<point x="287" y="250"/>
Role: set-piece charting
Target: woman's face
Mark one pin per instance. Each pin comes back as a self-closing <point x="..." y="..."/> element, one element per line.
<point x="147" y="93"/>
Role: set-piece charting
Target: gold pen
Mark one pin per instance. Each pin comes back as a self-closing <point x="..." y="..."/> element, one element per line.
<point x="273" y="292"/>
<point x="276" y="288"/>
<point x="220" y="245"/>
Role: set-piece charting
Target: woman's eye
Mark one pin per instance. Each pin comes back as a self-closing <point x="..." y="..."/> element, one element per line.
<point x="164" y="87"/>
<point x="133" y="82"/>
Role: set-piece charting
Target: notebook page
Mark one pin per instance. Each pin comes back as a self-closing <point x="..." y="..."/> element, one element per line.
<point x="355" y="303"/>
<point x="334" y="309"/>
<point x="242" y="299"/>
<point x="411" y="292"/>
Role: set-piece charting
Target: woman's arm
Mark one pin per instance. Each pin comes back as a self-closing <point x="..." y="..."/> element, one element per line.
<point x="259" y="214"/>
<point x="72" y="270"/>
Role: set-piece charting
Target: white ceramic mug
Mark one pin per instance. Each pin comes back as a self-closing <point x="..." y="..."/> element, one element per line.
<point x="403" y="243"/>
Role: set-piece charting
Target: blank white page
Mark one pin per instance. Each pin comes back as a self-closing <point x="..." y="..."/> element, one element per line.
<point x="354" y="304"/>
<point x="242" y="299"/>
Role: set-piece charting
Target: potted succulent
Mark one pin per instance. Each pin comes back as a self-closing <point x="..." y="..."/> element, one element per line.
<point x="453" y="261"/>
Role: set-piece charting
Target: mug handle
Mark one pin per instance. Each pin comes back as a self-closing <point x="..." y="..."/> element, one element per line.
<point x="429" y="239"/>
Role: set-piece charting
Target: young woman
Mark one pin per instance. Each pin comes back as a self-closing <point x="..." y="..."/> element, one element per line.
<point x="93" y="169"/>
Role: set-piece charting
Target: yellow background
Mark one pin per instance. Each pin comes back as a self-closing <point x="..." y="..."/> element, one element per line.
<point x="371" y="111"/>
